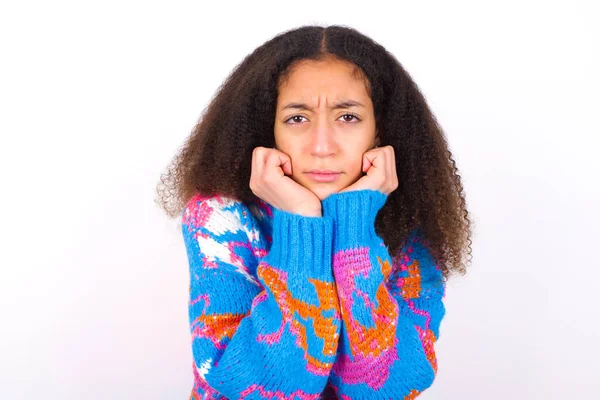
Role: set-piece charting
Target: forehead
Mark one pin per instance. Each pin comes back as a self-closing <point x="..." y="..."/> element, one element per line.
<point x="311" y="78"/>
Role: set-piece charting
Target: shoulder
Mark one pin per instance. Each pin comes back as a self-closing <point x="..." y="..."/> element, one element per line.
<point x="415" y="248"/>
<point x="220" y="214"/>
<point x="216" y="231"/>
<point x="216" y="214"/>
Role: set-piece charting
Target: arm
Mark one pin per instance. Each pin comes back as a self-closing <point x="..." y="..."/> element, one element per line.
<point x="271" y="336"/>
<point x="390" y="316"/>
<point x="418" y="285"/>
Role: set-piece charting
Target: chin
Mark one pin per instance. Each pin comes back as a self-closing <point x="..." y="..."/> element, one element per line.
<point x="324" y="191"/>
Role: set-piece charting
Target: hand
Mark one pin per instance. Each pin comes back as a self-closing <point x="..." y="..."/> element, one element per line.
<point x="379" y="164"/>
<point x="268" y="181"/>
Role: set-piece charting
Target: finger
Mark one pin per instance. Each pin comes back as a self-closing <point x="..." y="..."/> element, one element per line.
<point x="258" y="160"/>
<point x="286" y="162"/>
<point x="387" y="168"/>
<point x="366" y="164"/>
<point x="394" y="173"/>
<point x="389" y="164"/>
<point x="287" y="166"/>
<point x="279" y="159"/>
<point x="255" y="163"/>
<point x="258" y="155"/>
<point x="372" y="160"/>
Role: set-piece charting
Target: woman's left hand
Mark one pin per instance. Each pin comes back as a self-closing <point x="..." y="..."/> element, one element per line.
<point x="379" y="164"/>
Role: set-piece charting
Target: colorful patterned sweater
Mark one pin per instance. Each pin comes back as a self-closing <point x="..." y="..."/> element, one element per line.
<point x="284" y="306"/>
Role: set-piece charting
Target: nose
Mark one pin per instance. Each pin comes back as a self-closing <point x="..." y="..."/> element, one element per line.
<point x="322" y="139"/>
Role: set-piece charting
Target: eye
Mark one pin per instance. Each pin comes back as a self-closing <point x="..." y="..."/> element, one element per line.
<point x="353" y="116"/>
<point x="345" y="116"/>
<point x="291" y="118"/>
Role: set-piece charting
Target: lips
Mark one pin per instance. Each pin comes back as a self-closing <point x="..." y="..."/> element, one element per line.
<point x="323" y="175"/>
<point x="322" y="171"/>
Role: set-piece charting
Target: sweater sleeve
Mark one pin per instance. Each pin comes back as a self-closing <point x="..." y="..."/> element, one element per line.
<point x="264" y="324"/>
<point x="390" y="314"/>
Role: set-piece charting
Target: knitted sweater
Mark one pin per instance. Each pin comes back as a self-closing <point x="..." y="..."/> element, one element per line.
<point x="284" y="306"/>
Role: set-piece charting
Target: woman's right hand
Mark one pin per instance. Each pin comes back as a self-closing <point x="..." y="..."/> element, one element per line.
<point x="268" y="181"/>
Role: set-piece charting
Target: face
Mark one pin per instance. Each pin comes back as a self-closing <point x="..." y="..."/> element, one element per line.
<point x="324" y="122"/>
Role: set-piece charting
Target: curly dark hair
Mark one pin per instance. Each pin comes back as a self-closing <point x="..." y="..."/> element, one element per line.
<point x="216" y="157"/>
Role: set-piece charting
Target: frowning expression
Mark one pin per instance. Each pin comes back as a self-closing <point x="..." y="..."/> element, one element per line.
<point x="325" y="122"/>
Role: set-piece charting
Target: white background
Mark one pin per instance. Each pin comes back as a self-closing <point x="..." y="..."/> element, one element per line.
<point x="96" y="97"/>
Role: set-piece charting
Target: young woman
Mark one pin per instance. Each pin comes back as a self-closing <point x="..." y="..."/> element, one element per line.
<point x="322" y="214"/>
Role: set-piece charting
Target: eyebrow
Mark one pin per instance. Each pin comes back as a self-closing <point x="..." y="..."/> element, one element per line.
<point x="341" y="104"/>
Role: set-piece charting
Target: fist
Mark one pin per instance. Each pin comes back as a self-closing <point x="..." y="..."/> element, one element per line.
<point x="379" y="164"/>
<point x="270" y="180"/>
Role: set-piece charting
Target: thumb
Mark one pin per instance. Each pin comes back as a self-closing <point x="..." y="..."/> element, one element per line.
<point x="287" y="167"/>
<point x="366" y="163"/>
<point x="281" y="160"/>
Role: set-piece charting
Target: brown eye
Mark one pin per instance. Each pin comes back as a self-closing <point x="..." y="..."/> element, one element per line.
<point x="345" y="116"/>
<point x="293" y="118"/>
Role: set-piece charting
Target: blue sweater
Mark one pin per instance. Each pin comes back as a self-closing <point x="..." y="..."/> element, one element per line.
<point x="284" y="306"/>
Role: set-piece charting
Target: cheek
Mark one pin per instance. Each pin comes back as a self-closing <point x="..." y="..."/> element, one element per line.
<point x="296" y="157"/>
<point x="353" y="168"/>
<point x="355" y="172"/>
<point x="280" y="138"/>
<point x="283" y="144"/>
